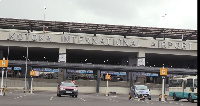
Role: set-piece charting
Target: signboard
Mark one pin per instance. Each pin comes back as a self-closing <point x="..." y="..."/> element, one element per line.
<point x="163" y="71"/>
<point x="9" y="68"/>
<point x="17" y="68"/>
<point x="3" y="63"/>
<point x="62" y="58"/>
<point x="32" y="73"/>
<point x="100" y="40"/>
<point x="107" y="76"/>
<point x="141" y="62"/>
<point x="122" y="73"/>
<point x="152" y="74"/>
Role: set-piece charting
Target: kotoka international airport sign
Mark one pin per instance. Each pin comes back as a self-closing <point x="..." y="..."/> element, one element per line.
<point x="113" y="40"/>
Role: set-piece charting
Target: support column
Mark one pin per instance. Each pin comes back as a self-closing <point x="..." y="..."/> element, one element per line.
<point x="141" y="59"/>
<point x="62" y="58"/>
<point x="28" y="77"/>
<point x="1" y="57"/>
<point x="140" y="63"/>
<point x="98" y="80"/>
<point x="131" y="79"/>
<point x="61" y="75"/>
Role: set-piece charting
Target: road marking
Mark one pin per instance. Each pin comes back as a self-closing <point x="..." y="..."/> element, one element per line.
<point x="51" y="98"/>
<point x="170" y="102"/>
<point x="151" y="103"/>
<point x="10" y="92"/>
<point x="181" y="104"/>
<point x="17" y="97"/>
<point x="21" y="96"/>
<point x="113" y="96"/>
<point x="176" y="103"/>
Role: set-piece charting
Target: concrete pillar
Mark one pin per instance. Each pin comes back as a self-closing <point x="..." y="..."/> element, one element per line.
<point x="1" y="58"/>
<point x="28" y="77"/>
<point x="62" y="58"/>
<point x="1" y="55"/>
<point x="62" y="54"/>
<point x="24" y="70"/>
<point x="141" y="59"/>
<point x="131" y="79"/>
<point x="61" y="75"/>
<point x="98" y="80"/>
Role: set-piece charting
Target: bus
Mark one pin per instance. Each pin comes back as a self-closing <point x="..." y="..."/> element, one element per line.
<point x="183" y="88"/>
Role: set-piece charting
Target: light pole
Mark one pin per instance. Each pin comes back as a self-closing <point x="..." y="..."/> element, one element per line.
<point x="26" y="62"/>
<point x="164" y="24"/>
<point x="44" y="20"/>
<point x="7" y="67"/>
<point x="164" y="19"/>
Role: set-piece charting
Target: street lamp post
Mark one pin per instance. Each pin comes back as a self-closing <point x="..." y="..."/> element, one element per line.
<point x="7" y="67"/>
<point x="26" y="63"/>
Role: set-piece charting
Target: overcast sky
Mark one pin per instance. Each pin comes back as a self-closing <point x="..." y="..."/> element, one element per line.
<point x="181" y="14"/>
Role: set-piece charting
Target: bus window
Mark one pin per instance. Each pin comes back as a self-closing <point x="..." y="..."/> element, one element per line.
<point x="195" y="82"/>
<point x="175" y="83"/>
<point x="189" y="83"/>
<point x="179" y="83"/>
<point x="172" y="83"/>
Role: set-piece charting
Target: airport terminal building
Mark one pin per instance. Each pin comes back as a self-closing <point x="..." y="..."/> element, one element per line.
<point x="97" y="44"/>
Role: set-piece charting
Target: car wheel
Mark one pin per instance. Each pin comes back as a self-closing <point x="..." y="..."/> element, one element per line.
<point x="190" y="98"/>
<point x="75" y="96"/>
<point x="59" y="95"/>
<point x="149" y="98"/>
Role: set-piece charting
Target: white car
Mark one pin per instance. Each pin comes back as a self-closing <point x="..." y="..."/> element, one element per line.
<point x="137" y="91"/>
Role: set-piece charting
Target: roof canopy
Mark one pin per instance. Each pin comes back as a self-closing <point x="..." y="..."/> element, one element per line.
<point x="73" y="27"/>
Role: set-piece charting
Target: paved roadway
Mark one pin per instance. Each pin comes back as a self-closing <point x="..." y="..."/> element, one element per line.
<point x="18" y="98"/>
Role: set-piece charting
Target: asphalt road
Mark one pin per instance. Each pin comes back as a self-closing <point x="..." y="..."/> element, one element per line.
<point x="18" y="98"/>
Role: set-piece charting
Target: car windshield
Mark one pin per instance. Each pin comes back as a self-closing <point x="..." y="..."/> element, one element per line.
<point x="67" y="84"/>
<point x="141" y="87"/>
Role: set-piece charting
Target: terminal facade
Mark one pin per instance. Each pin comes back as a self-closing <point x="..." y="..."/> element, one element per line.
<point x="51" y="41"/>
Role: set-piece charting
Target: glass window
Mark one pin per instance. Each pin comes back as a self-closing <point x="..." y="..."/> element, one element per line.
<point x="141" y="87"/>
<point x="195" y="82"/>
<point x="175" y="83"/>
<point x="67" y="84"/>
<point x="189" y="83"/>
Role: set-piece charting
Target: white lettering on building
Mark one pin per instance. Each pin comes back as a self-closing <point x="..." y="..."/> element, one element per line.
<point x="102" y="41"/>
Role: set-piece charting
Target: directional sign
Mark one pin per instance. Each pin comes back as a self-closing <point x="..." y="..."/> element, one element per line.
<point x="163" y="71"/>
<point x="32" y="73"/>
<point x="107" y="77"/>
<point x="3" y="63"/>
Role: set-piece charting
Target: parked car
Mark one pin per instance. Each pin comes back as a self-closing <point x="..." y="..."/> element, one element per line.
<point x="138" y="91"/>
<point x="67" y="88"/>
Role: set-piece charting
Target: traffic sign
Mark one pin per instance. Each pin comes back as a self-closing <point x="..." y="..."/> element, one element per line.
<point x="32" y="73"/>
<point x="107" y="76"/>
<point x="3" y="63"/>
<point x="163" y="71"/>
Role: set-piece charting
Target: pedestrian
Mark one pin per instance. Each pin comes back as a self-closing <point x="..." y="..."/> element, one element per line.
<point x="73" y="81"/>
